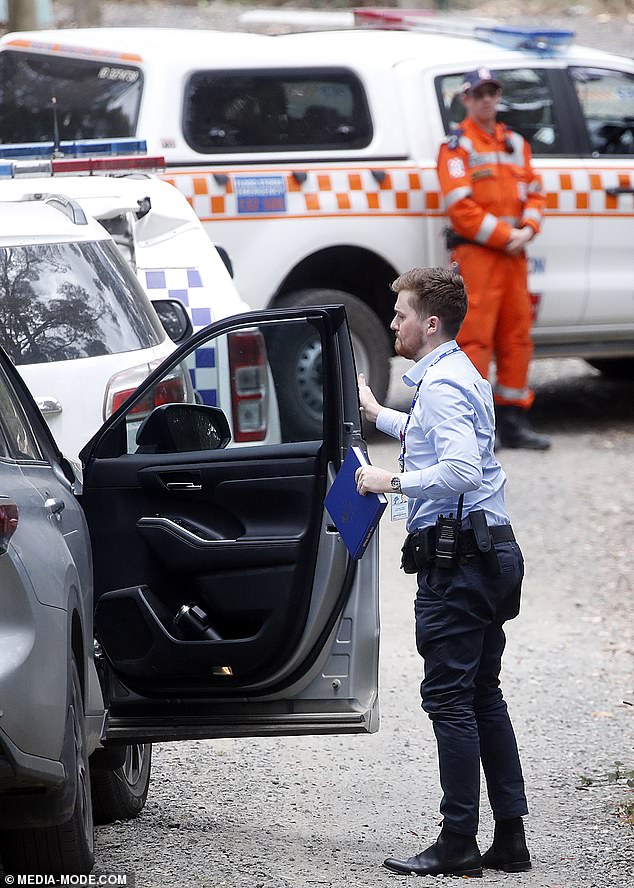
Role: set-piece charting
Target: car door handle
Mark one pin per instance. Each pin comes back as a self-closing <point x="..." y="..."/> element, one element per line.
<point x="55" y="505"/>
<point x="183" y="485"/>
<point x="613" y="192"/>
<point x="49" y="406"/>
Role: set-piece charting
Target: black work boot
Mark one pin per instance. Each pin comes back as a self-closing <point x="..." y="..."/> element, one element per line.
<point x="515" y="431"/>
<point x="452" y="854"/>
<point x="508" y="851"/>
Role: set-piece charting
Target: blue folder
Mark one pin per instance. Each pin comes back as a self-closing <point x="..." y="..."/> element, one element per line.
<point x="355" y="517"/>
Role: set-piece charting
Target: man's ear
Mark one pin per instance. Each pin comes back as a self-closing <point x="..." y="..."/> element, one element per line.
<point x="434" y="325"/>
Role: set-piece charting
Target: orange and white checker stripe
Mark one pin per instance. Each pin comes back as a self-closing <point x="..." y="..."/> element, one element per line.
<point x="323" y="192"/>
<point x="585" y="192"/>
<point x="388" y="191"/>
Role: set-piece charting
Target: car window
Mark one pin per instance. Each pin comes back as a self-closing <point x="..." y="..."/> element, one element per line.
<point x="71" y="300"/>
<point x="17" y="439"/>
<point x="526" y="106"/>
<point x="75" y="98"/>
<point x="607" y="103"/>
<point x="273" y="111"/>
<point x="266" y="379"/>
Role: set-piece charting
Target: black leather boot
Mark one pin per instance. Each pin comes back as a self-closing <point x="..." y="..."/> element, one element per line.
<point x="515" y="431"/>
<point x="508" y="851"/>
<point x="452" y="854"/>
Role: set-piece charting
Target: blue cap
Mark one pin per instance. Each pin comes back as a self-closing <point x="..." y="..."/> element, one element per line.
<point x="480" y="77"/>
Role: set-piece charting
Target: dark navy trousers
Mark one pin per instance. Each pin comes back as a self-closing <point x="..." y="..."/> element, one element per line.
<point x="460" y="613"/>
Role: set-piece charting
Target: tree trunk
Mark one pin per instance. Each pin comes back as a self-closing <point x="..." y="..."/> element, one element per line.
<point x="22" y="15"/>
<point x="88" y="13"/>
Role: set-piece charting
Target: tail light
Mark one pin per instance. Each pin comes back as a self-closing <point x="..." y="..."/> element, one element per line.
<point x="8" y="524"/>
<point x="249" y="385"/>
<point x="172" y="388"/>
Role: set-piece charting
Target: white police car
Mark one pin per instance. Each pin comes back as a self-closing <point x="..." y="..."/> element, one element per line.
<point x="164" y="244"/>
<point x="73" y="317"/>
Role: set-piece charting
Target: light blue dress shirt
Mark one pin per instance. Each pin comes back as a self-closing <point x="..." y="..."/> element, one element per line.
<point x="448" y="441"/>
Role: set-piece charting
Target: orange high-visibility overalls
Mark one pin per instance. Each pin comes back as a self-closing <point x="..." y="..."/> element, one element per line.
<point x="489" y="187"/>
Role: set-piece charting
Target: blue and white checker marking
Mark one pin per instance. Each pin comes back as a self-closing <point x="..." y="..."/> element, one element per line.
<point x="185" y="284"/>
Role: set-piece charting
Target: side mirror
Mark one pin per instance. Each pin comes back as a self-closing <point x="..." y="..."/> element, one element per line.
<point x="183" y="428"/>
<point x="173" y="315"/>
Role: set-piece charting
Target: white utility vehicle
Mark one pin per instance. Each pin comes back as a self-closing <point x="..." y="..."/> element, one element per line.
<point x="311" y="157"/>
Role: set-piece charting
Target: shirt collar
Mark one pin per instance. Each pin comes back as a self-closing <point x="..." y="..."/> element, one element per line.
<point x="415" y="374"/>
<point x="498" y="134"/>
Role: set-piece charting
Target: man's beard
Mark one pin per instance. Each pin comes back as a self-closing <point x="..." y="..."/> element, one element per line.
<point x="401" y="350"/>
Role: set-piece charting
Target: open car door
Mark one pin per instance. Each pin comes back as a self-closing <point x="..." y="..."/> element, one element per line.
<point x="226" y="603"/>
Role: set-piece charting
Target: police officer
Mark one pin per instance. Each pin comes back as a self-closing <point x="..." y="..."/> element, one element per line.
<point x="495" y="206"/>
<point x="469" y="572"/>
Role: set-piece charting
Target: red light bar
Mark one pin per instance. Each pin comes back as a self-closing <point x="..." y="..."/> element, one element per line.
<point x="387" y="17"/>
<point x="107" y="164"/>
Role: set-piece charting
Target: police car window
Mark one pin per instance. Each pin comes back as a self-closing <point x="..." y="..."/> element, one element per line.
<point x="526" y="106"/>
<point x="75" y="98"/>
<point x="71" y="300"/>
<point x="607" y="103"/>
<point x="273" y="111"/>
<point x="267" y="380"/>
<point x="16" y="439"/>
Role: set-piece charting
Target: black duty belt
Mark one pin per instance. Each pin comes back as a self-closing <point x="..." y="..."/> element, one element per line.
<point x="500" y="533"/>
<point x="453" y="239"/>
<point x="420" y="547"/>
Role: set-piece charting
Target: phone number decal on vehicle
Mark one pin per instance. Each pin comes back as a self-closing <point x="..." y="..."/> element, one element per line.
<point x="260" y="194"/>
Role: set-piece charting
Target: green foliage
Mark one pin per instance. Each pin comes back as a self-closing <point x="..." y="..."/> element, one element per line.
<point x="620" y="774"/>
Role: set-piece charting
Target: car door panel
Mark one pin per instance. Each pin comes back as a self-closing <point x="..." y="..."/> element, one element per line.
<point x="213" y="547"/>
<point x="601" y="96"/>
<point x="241" y="536"/>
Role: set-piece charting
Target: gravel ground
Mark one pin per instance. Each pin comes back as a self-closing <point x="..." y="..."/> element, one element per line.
<point x="325" y="811"/>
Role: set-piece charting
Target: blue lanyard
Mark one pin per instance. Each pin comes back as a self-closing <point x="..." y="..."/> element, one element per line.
<point x="401" y="459"/>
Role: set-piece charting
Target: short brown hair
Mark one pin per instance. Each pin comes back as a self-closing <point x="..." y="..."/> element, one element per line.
<point x="437" y="291"/>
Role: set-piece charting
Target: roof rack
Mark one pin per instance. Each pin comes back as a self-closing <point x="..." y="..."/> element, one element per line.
<point x="545" y="41"/>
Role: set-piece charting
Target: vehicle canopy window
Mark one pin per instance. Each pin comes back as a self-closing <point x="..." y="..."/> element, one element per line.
<point x="526" y="106"/>
<point x="607" y="103"/>
<point x="16" y="436"/>
<point x="71" y="300"/>
<point x="44" y="96"/>
<point x="275" y="110"/>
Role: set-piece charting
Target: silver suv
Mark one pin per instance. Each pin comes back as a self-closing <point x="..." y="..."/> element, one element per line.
<point x="213" y="597"/>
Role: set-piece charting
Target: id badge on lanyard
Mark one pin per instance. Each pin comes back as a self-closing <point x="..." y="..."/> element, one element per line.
<point x="398" y="505"/>
<point x="398" y="508"/>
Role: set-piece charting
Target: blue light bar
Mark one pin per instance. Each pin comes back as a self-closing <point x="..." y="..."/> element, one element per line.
<point x="542" y="40"/>
<point x="113" y="147"/>
<point x="79" y="148"/>
<point x="26" y="149"/>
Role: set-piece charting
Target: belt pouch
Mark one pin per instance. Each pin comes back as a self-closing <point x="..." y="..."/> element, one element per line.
<point x="408" y="557"/>
<point x="417" y="551"/>
<point x="484" y="542"/>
